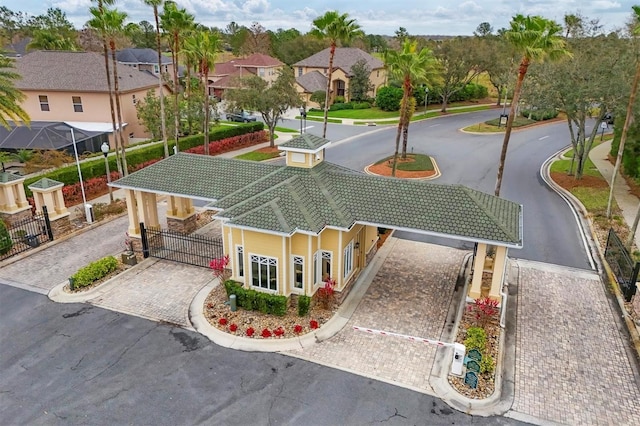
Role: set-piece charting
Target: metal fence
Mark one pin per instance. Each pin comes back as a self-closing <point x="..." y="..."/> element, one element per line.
<point x="25" y="234"/>
<point x="623" y="266"/>
<point x="191" y="249"/>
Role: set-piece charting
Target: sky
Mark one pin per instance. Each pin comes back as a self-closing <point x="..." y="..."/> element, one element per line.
<point x="425" y="17"/>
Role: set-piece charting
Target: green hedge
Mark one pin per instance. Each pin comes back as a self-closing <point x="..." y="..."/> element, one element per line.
<point x="253" y="300"/>
<point x="539" y="114"/>
<point x="69" y="175"/>
<point x="5" y="239"/>
<point x="303" y="305"/>
<point x="94" y="271"/>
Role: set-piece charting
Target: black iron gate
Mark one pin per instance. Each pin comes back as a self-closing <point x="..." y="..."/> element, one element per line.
<point x="623" y="267"/>
<point x="197" y="250"/>
<point x="25" y="234"/>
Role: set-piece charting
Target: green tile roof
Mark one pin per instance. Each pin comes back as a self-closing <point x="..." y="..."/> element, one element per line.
<point x="9" y="177"/>
<point x="305" y="142"/>
<point x="45" y="183"/>
<point x="285" y="199"/>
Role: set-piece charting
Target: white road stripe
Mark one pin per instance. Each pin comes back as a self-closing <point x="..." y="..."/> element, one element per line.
<point x="542" y="138"/>
<point x="434" y="125"/>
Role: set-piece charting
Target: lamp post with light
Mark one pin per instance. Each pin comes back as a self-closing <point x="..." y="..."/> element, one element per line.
<point x="105" y="150"/>
<point x="426" y="99"/>
<point x="87" y="207"/>
<point x="303" y="118"/>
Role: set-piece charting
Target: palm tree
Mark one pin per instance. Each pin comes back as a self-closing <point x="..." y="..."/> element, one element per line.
<point x="411" y="67"/>
<point x="47" y="40"/>
<point x="203" y="47"/>
<point x="627" y="120"/>
<point x="163" y="118"/>
<point x="175" y="22"/>
<point x="572" y="24"/>
<point x="105" y="49"/>
<point x="111" y="24"/>
<point x="536" y="39"/>
<point x="10" y="97"/>
<point x="336" y="28"/>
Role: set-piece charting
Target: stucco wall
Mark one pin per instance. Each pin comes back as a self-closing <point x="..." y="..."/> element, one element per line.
<point x="95" y="108"/>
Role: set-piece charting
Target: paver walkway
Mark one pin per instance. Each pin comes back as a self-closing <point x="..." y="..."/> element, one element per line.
<point x="410" y="295"/>
<point x="571" y="360"/>
<point x="55" y="264"/>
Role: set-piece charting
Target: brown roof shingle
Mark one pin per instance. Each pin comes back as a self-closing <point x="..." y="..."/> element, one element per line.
<point x="75" y="71"/>
<point x="344" y="58"/>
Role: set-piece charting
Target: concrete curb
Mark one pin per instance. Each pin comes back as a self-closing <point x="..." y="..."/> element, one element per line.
<point x="328" y="330"/>
<point x="515" y="129"/>
<point x="502" y="398"/>
<point x="434" y="176"/>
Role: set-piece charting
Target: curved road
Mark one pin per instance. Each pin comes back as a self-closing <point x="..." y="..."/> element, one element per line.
<point x="551" y="233"/>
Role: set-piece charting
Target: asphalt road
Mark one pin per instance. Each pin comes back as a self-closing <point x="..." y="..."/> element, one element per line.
<point x="551" y="233"/>
<point x="78" y="364"/>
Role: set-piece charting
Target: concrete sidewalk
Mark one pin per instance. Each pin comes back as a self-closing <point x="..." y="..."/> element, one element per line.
<point x="627" y="202"/>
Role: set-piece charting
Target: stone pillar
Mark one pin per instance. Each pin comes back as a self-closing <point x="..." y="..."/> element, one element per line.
<point x="132" y="212"/>
<point x="477" y="268"/>
<point x="181" y="215"/>
<point x="498" y="271"/>
<point x="48" y="192"/>
<point x="13" y="201"/>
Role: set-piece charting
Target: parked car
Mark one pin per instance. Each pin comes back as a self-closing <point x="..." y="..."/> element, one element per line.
<point x="242" y="117"/>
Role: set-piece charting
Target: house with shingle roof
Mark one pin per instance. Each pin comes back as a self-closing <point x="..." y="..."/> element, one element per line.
<point x="225" y="74"/>
<point x="287" y="228"/>
<point x="72" y="87"/>
<point x="311" y="73"/>
<point x="144" y="59"/>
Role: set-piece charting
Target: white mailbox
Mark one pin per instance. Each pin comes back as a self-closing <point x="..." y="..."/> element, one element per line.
<point x="458" y="359"/>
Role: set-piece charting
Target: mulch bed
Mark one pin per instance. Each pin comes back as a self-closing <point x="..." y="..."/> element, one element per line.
<point x="385" y="169"/>
<point x="570" y="182"/>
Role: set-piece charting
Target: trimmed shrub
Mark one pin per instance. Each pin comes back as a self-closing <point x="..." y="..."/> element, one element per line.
<point x="340" y="106"/>
<point x="90" y="169"/>
<point x="539" y="114"/>
<point x="361" y="105"/>
<point x="338" y="100"/>
<point x="94" y="271"/>
<point x="5" y="239"/>
<point x="476" y="339"/>
<point x="304" y="302"/>
<point x="388" y="98"/>
<point x="252" y="300"/>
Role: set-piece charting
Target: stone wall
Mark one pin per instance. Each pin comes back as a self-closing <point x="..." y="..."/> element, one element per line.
<point x="61" y="226"/>
<point x="15" y="217"/>
<point x="184" y="226"/>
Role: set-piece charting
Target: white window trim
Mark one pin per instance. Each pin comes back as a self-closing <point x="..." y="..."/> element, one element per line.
<point x="347" y="261"/>
<point x="318" y="256"/>
<point x="259" y="288"/>
<point x="240" y="251"/>
<point x="295" y="289"/>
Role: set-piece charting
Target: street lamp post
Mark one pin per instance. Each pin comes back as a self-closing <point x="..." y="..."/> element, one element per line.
<point x="426" y="99"/>
<point x="303" y="119"/>
<point x="87" y="208"/>
<point x="105" y="150"/>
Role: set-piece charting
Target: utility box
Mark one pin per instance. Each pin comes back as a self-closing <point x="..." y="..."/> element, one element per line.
<point x="88" y="212"/>
<point x="458" y="359"/>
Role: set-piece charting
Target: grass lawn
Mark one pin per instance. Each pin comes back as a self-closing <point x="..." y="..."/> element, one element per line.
<point x="356" y="114"/>
<point x="491" y="126"/>
<point x="420" y="162"/>
<point x="562" y="166"/>
<point x="260" y="154"/>
<point x="286" y="130"/>
<point x="321" y="119"/>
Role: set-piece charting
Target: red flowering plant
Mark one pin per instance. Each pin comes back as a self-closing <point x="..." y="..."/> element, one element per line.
<point x="266" y="333"/>
<point x="222" y="321"/>
<point x="278" y="332"/>
<point x="297" y="329"/>
<point x="250" y="331"/>
<point x="325" y="294"/>
<point x="313" y="324"/>
<point x="233" y="328"/>
<point x="484" y="310"/>
<point x="218" y="265"/>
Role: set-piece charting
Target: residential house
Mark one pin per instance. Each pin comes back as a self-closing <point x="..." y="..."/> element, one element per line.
<point x="144" y="59"/>
<point x="72" y="87"/>
<point x="287" y="228"/>
<point x="311" y="73"/>
<point x="225" y="73"/>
